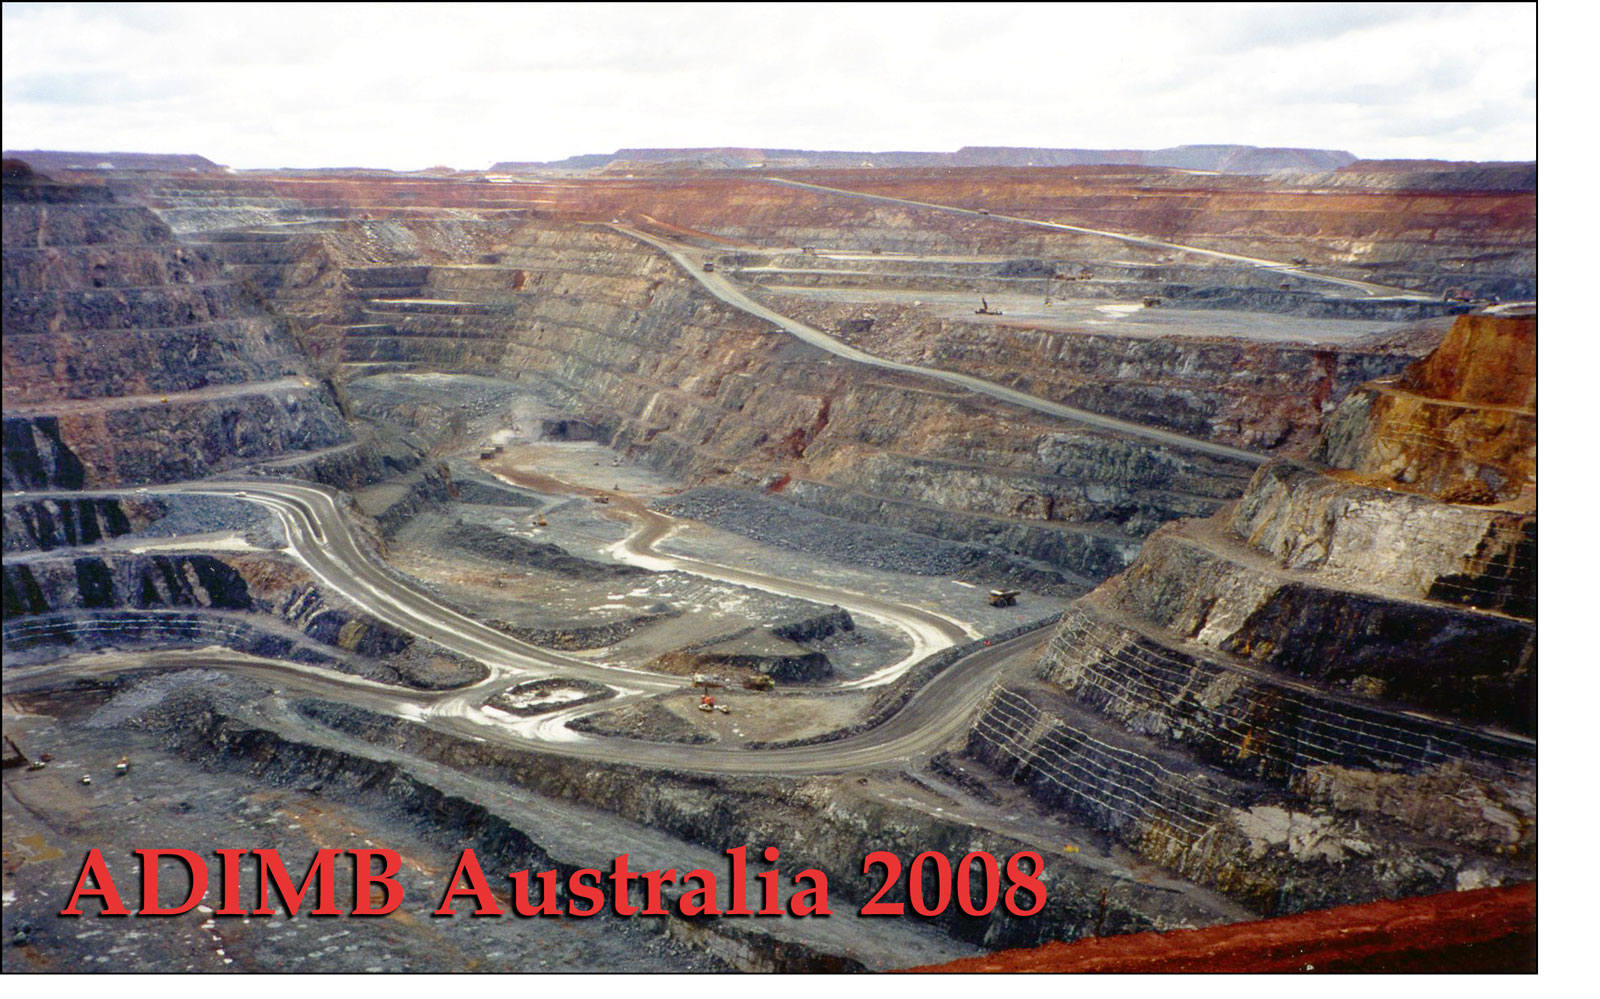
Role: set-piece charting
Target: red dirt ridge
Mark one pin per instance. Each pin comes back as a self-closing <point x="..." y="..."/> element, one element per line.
<point x="1481" y="931"/>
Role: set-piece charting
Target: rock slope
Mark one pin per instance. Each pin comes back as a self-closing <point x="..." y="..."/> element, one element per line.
<point x="130" y="358"/>
<point x="1324" y="692"/>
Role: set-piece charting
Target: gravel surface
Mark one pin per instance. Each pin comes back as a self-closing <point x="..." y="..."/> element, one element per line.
<point x="796" y="528"/>
<point x="481" y="539"/>
<point x="168" y="800"/>
<point x="188" y="515"/>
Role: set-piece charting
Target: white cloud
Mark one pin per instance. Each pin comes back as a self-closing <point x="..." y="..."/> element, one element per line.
<point x="409" y="86"/>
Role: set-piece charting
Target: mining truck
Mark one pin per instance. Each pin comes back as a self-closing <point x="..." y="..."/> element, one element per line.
<point x="1003" y="598"/>
<point x="708" y="267"/>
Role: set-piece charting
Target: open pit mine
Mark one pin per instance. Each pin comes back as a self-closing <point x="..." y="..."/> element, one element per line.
<point x="1092" y="561"/>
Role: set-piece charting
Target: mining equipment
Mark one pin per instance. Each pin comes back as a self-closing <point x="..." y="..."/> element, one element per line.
<point x="1299" y="261"/>
<point x="85" y="779"/>
<point x="122" y="765"/>
<point x="1085" y="274"/>
<point x="1151" y="301"/>
<point x="1003" y="598"/>
<point x="14" y="756"/>
<point x="602" y="498"/>
<point x="724" y="708"/>
<point x="542" y="522"/>
<point x="984" y="310"/>
<point x="759" y="682"/>
<point x="707" y="703"/>
<point x="486" y="454"/>
<point x="983" y="211"/>
<point x="708" y="267"/>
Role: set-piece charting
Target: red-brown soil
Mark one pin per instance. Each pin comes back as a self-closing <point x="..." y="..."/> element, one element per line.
<point x="1487" y="930"/>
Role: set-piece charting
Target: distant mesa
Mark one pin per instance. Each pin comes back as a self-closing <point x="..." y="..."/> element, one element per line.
<point x="1218" y="158"/>
<point x="47" y="160"/>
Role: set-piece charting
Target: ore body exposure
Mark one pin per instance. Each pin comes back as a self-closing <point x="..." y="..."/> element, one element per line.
<point x="1068" y="555"/>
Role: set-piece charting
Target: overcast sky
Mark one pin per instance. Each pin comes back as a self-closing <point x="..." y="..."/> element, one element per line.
<point x="413" y="86"/>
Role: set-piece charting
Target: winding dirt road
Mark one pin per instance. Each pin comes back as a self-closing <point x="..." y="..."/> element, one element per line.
<point x="929" y="631"/>
<point x="692" y="261"/>
<point x="319" y="536"/>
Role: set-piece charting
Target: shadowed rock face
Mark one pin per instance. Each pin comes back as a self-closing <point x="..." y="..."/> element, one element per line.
<point x="130" y="358"/>
<point x="258" y="603"/>
<point x="1304" y="699"/>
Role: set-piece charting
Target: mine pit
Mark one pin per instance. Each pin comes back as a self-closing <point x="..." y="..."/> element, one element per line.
<point x="1190" y="544"/>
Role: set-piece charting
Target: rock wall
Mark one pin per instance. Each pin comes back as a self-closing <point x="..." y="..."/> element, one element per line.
<point x="1264" y="396"/>
<point x="1461" y="424"/>
<point x="1324" y="692"/>
<point x="45" y="524"/>
<point x="813" y="823"/>
<point x="612" y="330"/>
<point x="238" y="601"/>
<point x="130" y="358"/>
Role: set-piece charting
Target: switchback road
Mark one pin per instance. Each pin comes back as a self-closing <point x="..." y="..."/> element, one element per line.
<point x="692" y="261"/>
<point x="319" y="536"/>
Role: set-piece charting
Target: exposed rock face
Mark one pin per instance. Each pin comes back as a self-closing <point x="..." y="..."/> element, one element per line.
<point x="1401" y="226"/>
<point x="258" y="603"/>
<point x="47" y="524"/>
<point x="1265" y="396"/>
<point x="396" y="274"/>
<point x="130" y="358"/>
<point x="481" y="539"/>
<point x="1462" y="424"/>
<point x="610" y="329"/>
<point x="606" y="326"/>
<point x="1307" y="698"/>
